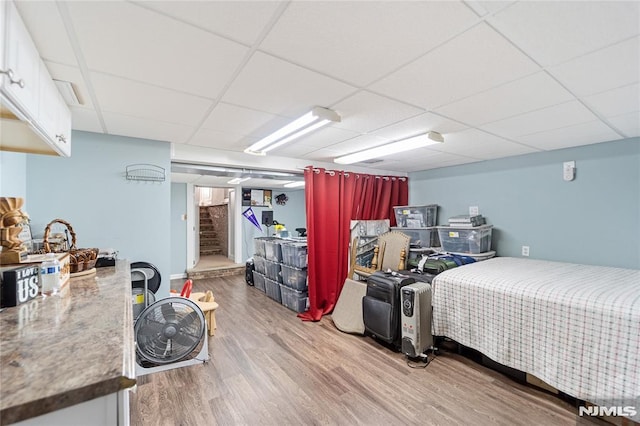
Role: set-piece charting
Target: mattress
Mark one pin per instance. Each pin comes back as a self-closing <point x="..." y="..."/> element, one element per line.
<point x="577" y="327"/>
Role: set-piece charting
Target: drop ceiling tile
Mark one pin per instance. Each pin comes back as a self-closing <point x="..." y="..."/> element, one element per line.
<point x="617" y="101"/>
<point x="44" y="23"/>
<point x="524" y="95"/>
<point x="365" y="112"/>
<point x="273" y="85"/>
<point x="605" y="69"/>
<point x="555" y="31"/>
<point x="356" y="144"/>
<point x="220" y="140"/>
<point x="123" y="39"/>
<point x="326" y="136"/>
<point x="85" y="119"/>
<point x="315" y="141"/>
<point x="242" y="21"/>
<point x="576" y="135"/>
<point x="421" y="159"/>
<point x="629" y="124"/>
<point x="556" y="116"/>
<point x="483" y="8"/>
<point x="417" y="125"/>
<point x="131" y="98"/>
<point x="235" y="119"/>
<point x="362" y="41"/>
<point x="481" y="145"/>
<point x="470" y="63"/>
<point x="73" y="75"/>
<point x="118" y="124"/>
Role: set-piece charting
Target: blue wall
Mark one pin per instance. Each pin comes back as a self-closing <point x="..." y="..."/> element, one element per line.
<point x="13" y="175"/>
<point x="594" y="219"/>
<point x="90" y="191"/>
<point x="178" y="228"/>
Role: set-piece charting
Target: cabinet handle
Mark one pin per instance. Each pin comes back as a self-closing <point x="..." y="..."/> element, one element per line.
<point x="9" y="73"/>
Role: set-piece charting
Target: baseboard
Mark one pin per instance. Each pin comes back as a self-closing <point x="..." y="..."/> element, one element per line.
<point x="178" y="276"/>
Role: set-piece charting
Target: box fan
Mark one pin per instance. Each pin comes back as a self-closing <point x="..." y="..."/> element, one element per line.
<point x="170" y="333"/>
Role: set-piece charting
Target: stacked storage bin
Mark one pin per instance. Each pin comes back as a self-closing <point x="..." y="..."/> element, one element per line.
<point x="260" y="262"/>
<point x="294" y="289"/>
<point x="273" y="259"/>
<point x="466" y="239"/>
<point x="419" y="223"/>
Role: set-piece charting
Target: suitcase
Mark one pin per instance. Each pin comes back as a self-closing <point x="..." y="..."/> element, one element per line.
<point x="381" y="306"/>
<point x="248" y="271"/>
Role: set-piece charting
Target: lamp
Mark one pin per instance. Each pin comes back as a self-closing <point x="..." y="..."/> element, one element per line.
<point x="413" y="142"/>
<point x="309" y="122"/>
<point x="296" y="184"/>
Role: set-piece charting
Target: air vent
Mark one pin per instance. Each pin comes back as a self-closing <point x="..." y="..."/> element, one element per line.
<point x="69" y="92"/>
<point x="372" y="161"/>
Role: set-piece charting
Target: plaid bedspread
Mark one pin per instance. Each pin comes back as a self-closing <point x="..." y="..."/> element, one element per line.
<point x="577" y="327"/>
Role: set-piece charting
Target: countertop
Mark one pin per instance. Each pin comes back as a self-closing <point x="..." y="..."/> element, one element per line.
<point x="65" y="349"/>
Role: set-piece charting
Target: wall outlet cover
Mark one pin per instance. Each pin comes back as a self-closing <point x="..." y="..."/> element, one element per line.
<point x="473" y="210"/>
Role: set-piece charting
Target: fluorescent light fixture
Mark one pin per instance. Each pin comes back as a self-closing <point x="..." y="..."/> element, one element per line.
<point x="68" y="92"/>
<point x="238" y="180"/>
<point x="309" y="122"/>
<point x="294" y="184"/>
<point x="408" y="144"/>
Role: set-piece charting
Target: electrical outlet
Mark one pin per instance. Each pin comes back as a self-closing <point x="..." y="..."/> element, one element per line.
<point x="473" y="211"/>
<point x="525" y="251"/>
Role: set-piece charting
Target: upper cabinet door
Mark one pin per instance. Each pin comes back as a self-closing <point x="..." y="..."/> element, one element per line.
<point x="20" y="80"/>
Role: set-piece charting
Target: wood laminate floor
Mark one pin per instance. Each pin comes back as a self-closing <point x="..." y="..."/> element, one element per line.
<point x="269" y="368"/>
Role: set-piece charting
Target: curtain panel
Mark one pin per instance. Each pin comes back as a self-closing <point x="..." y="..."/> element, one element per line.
<point x="333" y="198"/>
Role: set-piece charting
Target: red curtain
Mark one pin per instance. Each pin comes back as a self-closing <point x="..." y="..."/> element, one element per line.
<point x="333" y="199"/>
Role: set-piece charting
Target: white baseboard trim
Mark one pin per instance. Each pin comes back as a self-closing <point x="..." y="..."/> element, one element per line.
<point x="178" y="276"/>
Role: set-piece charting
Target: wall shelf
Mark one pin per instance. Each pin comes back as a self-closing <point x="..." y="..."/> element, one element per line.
<point x="145" y="172"/>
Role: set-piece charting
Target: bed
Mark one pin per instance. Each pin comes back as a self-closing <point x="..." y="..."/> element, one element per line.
<point x="576" y="327"/>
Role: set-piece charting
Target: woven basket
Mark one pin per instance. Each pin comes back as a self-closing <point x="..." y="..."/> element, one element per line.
<point x="79" y="259"/>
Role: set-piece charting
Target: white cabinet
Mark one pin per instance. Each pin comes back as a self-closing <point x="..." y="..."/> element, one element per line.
<point x="20" y="82"/>
<point x="54" y="117"/>
<point x="34" y="117"/>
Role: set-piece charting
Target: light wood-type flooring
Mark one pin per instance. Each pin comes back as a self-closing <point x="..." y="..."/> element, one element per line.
<point x="269" y="368"/>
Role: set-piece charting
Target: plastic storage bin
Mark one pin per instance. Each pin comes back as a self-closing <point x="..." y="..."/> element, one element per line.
<point x="273" y="289"/>
<point x="260" y="265"/>
<point x="273" y="250"/>
<point x="416" y="216"/>
<point x="421" y="237"/>
<point x="466" y="240"/>
<point x="294" y="278"/>
<point x="294" y="254"/>
<point x="294" y="300"/>
<point x="258" y="245"/>
<point x="273" y="271"/>
<point x="258" y="280"/>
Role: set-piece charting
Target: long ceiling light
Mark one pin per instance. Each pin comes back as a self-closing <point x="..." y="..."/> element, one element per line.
<point x="294" y="184"/>
<point x="309" y="122"/>
<point x="419" y="141"/>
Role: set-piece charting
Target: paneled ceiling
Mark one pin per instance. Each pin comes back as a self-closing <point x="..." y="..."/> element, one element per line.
<point x="496" y="78"/>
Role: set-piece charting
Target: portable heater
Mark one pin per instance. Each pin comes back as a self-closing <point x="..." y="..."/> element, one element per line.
<point x="416" y="319"/>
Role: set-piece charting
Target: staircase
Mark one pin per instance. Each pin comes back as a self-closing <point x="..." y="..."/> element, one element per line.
<point x="209" y="241"/>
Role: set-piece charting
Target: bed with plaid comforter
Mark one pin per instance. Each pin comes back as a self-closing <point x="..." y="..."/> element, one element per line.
<point x="577" y="327"/>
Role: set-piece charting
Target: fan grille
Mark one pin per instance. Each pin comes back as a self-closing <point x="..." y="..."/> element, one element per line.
<point x="169" y="330"/>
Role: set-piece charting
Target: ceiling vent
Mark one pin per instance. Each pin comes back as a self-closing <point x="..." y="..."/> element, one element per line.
<point x="372" y="161"/>
<point x="68" y="92"/>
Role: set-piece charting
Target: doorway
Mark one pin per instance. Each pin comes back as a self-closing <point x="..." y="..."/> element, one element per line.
<point x="213" y="239"/>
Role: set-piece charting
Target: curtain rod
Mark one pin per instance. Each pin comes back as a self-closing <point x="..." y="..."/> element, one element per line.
<point x="358" y="175"/>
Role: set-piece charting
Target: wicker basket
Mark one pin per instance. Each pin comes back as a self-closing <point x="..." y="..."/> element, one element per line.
<point x="79" y="259"/>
